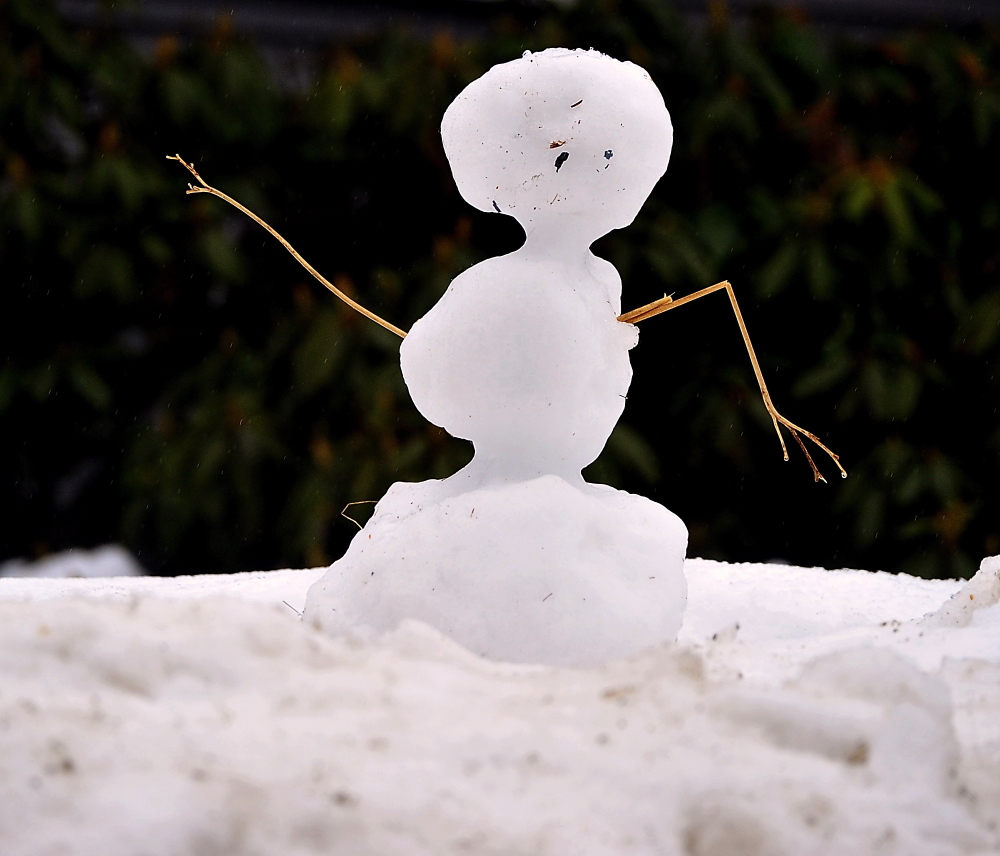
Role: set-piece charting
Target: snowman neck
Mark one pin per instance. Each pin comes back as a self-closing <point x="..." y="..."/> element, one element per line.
<point x="488" y="467"/>
<point x="562" y="239"/>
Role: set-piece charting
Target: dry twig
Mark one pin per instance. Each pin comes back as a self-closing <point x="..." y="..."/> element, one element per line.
<point x="346" y="516"/>
<point x="665" y="304"/>
<point x="205" y="187"/>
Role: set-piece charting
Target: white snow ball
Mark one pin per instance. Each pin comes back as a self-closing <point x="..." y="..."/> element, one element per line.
<point x="525" y="358"/>
<point x="559" y="132"/>
<point x="529" y="572"/>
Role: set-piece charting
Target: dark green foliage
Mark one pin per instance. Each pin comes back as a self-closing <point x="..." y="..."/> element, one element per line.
<point x="172" y="379"/>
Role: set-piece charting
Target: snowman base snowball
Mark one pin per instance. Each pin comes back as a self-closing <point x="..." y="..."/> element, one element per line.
<point x="537" y="571"/>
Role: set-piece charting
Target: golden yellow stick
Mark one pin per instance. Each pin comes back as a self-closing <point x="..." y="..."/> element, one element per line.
<point x="647" y="311"/>
<point x="665" y="304"/>
<point x="204" y="187"/>
<point x="346" y="516"/>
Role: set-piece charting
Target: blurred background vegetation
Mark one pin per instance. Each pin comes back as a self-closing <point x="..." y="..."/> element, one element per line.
<point x="172" y="380"/>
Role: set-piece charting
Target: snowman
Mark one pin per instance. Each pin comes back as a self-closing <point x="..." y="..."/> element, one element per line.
<point x="516" y="557"/>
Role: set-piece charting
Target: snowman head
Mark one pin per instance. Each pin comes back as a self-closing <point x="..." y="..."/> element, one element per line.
<point x="562" y="135"/>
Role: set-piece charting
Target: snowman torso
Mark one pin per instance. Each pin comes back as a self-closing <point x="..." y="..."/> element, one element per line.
<point x="525" y="357"/>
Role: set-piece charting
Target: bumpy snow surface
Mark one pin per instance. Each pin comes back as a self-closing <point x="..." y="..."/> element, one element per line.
<point x="801" y="712"/>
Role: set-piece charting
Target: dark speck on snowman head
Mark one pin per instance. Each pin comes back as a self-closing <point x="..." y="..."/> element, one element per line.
<point x="609" y="154"/>
<point x="561" y="160"/>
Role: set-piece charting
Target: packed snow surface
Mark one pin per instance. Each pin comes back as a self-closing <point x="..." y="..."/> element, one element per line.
<point x="802" y="711"/>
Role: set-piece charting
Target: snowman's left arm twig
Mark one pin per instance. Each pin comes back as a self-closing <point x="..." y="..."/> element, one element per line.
<point x="204" y="187"/>
<point x="665" y="304"/>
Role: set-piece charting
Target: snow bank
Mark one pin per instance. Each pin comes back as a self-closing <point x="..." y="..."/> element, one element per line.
<point x="201" y="716"/>
<point x="111" y="560"/>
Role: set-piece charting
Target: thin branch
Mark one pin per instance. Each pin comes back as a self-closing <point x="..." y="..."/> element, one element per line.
<point x="647" y="311"/>
<point x="665" y="304"/>
<point x="205" y="187"/>
<point x="346" y="516"/>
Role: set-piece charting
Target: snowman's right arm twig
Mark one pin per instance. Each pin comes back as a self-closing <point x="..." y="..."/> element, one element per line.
<point x="204" y="187"/>
<point x="665" y="304"/>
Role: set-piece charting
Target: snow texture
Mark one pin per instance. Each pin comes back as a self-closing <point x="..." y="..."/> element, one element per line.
<point x="516" y="556"/>
<point x="200" y="716"/>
